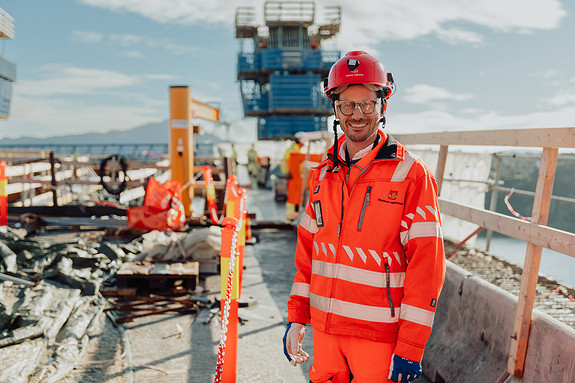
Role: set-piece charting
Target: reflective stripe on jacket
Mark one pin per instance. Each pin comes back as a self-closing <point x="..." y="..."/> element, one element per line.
<point x="370" y="259"/>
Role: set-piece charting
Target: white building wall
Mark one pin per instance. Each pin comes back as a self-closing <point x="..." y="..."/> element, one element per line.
<point x="465" y="181"/>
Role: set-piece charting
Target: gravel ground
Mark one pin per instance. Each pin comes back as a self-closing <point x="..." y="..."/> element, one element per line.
<point x="552" y="297"/>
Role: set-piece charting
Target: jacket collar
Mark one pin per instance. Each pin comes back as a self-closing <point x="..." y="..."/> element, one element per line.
<point x="387" y="149"/>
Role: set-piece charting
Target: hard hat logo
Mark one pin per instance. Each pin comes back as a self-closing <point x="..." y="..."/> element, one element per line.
<point x="352" y="64"/>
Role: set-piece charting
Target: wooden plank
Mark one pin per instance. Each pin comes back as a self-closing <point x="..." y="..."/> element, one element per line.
<point x="548" y="237"/>
<point x="440" y="170"/>
<point x="548" y="137"/>
<point x="522" y="325"/>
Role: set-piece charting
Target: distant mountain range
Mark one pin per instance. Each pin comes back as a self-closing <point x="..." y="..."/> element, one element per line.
<point x="157" y="133"/>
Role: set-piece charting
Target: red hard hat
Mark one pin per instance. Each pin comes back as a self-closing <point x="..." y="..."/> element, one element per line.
<point x="357" y="67"/>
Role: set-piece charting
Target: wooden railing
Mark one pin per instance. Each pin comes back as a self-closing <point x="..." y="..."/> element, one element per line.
<point x="535" y="233"/>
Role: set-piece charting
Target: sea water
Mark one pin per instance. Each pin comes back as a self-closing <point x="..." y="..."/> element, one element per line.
<point x="554" y="265"/>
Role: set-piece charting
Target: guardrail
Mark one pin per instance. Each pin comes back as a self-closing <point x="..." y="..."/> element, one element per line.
<point x="535" y="233"/>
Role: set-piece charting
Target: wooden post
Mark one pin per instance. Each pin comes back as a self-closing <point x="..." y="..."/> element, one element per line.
<point x="53" y="182"/>
<point x="540" y="212"/>
<point x="440" y="170"/>
<point x="493" y="201"/>
<point x="3" y="194"/>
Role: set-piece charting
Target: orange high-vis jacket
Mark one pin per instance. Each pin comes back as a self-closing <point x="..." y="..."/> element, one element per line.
<point x="370" y="259"/>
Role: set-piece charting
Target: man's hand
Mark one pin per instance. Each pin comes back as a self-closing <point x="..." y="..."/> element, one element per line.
<point x="292" y="343"/>
<point x="403" y="370"/>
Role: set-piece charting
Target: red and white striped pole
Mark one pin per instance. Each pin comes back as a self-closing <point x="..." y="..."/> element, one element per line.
<point x="3" y="195"/>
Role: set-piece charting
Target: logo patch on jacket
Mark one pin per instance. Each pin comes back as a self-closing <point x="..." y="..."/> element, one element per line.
<point x="433" y="302"/>
<point x="393" y="194"/>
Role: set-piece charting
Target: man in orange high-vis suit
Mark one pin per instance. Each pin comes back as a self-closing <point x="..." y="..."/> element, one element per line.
<point x="370" y="259"/>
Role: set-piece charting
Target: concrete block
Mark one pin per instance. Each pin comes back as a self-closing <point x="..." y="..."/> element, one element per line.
<point x="472" y="331"/>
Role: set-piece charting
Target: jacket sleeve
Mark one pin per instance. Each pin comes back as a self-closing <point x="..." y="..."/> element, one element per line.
<point x="298" y="304"/>
<point x="422" y="242"/>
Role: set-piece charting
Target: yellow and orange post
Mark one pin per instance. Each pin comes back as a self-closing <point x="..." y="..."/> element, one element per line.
<point x="211" y="194"/>
<point x="3" y="194"/>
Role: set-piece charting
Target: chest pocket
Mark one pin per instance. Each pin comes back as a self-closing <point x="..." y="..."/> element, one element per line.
<point x="382" y="204"/>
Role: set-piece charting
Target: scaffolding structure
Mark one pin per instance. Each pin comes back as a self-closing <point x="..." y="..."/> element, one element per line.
<point x="7" y="68"/>
<point x="281" y="71"/>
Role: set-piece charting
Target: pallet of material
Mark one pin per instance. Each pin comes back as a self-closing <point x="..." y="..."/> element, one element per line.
<point x="152" y="277"/>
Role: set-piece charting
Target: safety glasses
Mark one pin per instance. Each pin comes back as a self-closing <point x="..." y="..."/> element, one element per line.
<point x="348" y="107"/>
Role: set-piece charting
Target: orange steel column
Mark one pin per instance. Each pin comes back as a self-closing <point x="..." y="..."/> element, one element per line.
<point x="3" y="195"/>
<point x="182" y="143"/>
<point x="231" y="287"/>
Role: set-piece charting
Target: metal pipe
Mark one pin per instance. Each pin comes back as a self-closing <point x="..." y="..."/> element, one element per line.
<point x="20" y="281"/>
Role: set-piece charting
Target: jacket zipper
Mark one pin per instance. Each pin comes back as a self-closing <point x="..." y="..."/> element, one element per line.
<point x="366" y="200"/>
<point x="387" y="285"/>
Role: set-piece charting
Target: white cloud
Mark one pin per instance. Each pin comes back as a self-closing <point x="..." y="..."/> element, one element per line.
<point x="125" y="40"/>
<point x="58" y="80"/>
<point x="422" y="94"/>
<point x="132" y="53"/>
<point x="561" y="99"/>
<point x="173" y="11"/>
<point x="455" y="36"/>
<point x="130" y="40"/>
<point x="159" y="76"/>
<point x="87" y="36"/>
<point x="438" y="121"/>
<point x="47" y="117"/>
<point x="547" y="74"/>
<point x="365" y="25"/>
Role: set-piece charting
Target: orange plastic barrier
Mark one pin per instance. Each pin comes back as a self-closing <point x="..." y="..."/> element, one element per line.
<point x="162" y="210"/>
<point x="211" y="194"/>
<point x="3" y="195"/>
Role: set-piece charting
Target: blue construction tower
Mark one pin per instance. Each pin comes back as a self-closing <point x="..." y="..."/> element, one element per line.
<point x="281" y="66"/>
<point x="7" y="68"/>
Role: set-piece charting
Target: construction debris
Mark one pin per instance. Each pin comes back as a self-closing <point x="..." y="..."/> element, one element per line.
<point x="201" y="244"/>
<point x="51" y="292"/>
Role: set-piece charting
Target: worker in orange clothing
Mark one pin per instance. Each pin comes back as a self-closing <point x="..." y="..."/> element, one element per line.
<point x="292" y="210"/>
<point x="369" y="256"/>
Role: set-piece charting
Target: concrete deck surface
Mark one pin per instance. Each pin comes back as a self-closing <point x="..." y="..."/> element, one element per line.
<point x="150" y="350"/>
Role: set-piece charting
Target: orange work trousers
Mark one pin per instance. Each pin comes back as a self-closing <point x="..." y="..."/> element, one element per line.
<point x="345" y="359"/>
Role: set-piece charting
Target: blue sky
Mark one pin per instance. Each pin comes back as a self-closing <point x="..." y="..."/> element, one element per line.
<point x="100" y="65"/>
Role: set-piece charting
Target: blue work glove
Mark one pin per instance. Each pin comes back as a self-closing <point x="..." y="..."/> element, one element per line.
<point x="292" y="343"/>
<point x="403" y="370"/>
